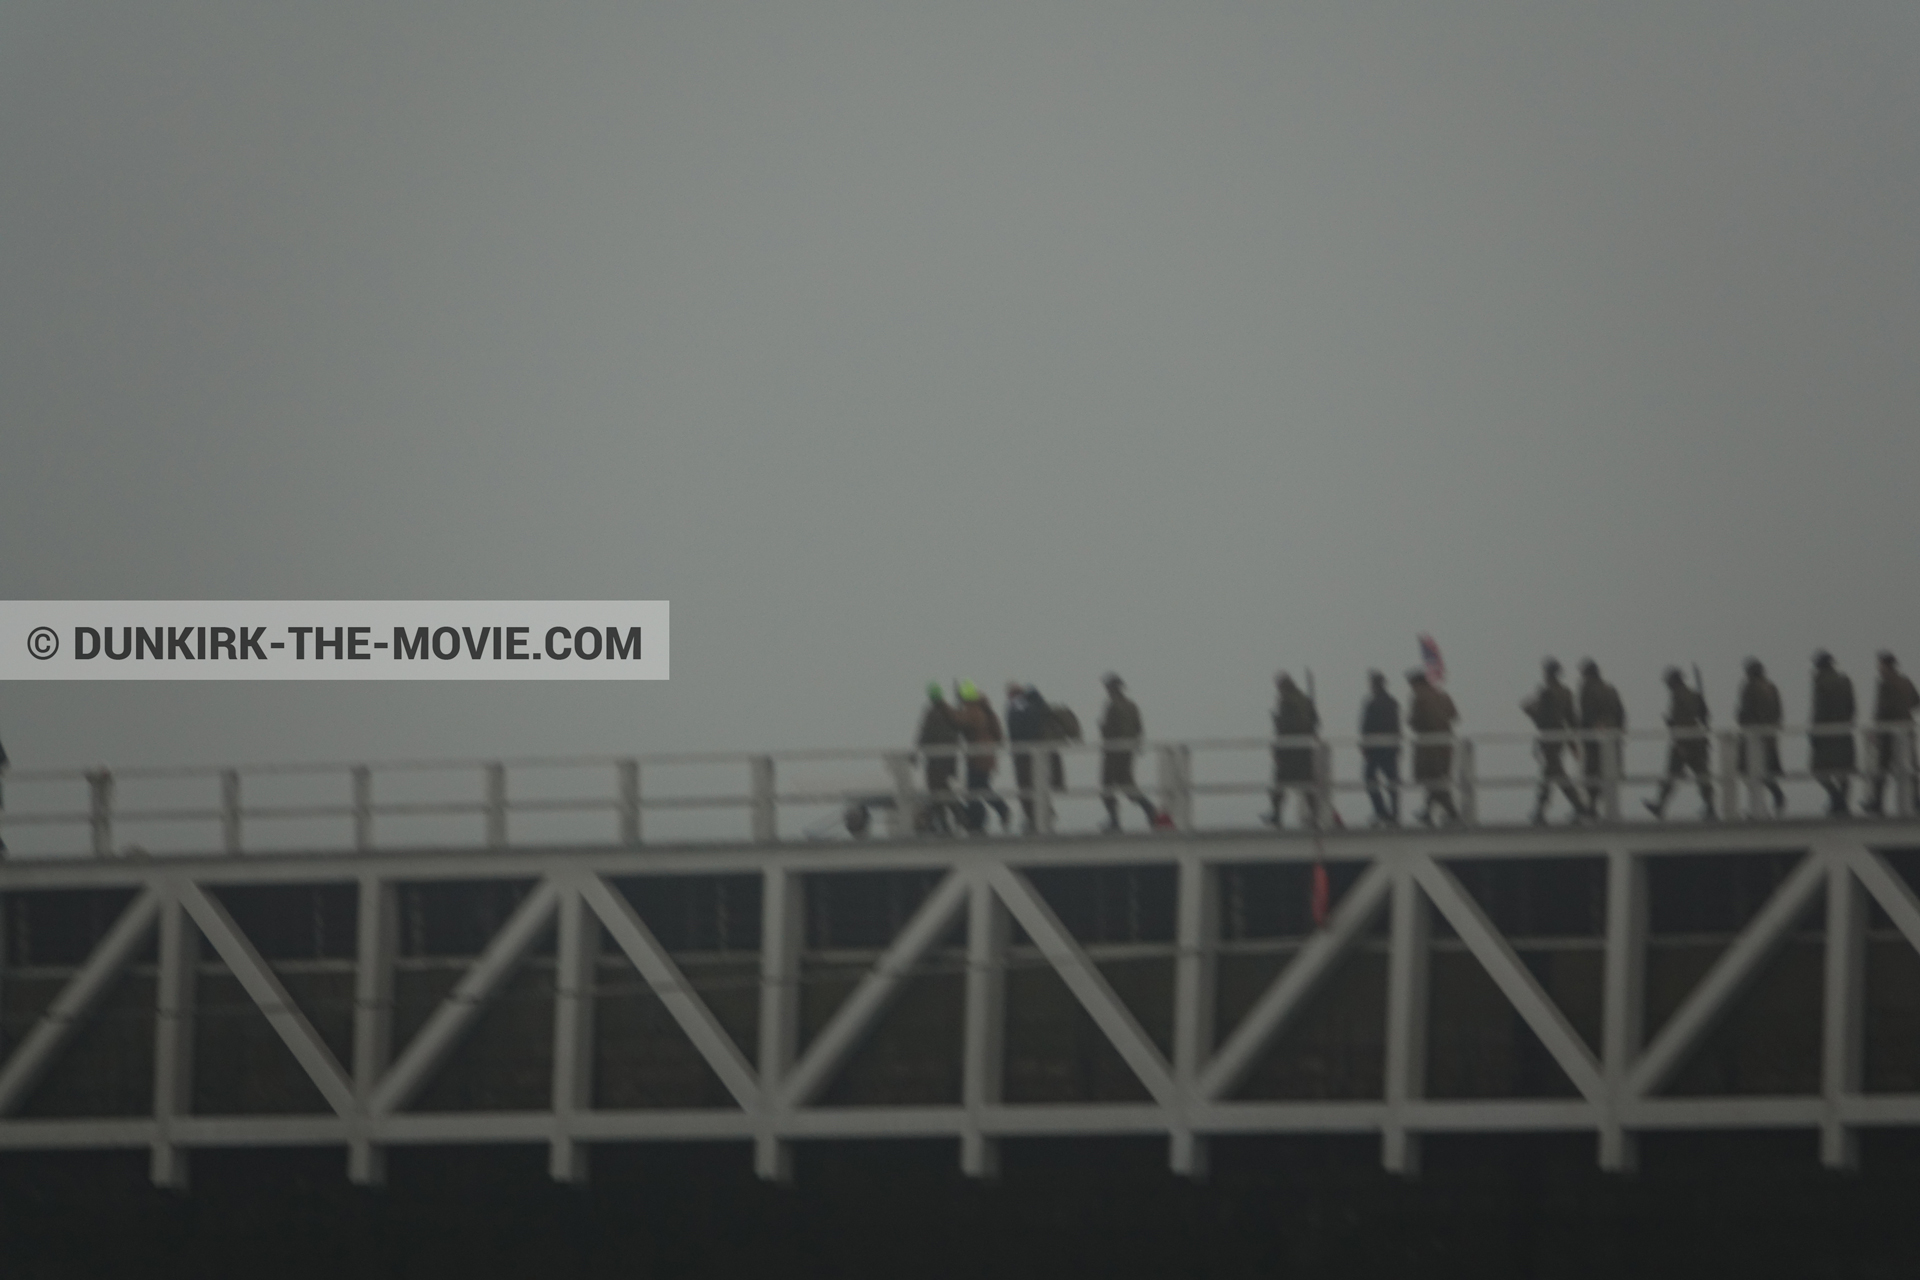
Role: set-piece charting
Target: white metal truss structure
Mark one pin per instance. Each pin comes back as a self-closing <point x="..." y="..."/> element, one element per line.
<point x="984" y="887"/>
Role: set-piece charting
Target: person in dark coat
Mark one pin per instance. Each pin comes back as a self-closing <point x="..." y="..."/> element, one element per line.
<point x="1759" y="717"/>
<point x="1600" y="710"/>
<point x="1688" y="752"/>
<point x="1379" y="720"/>
<point x="1552" y="709"/>
<point x="1894" y="700"/>
<point x="981" y="727"/>
<point x="1294" y="717"/>
<point x="1030" y="719"/>
<point x="1431" y="715"/>
<point x="1120" y="724"/>
<point x="938" y="728"/>
<point x="1831" y="741"/>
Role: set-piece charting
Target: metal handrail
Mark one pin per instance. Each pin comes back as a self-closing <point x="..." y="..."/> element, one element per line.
<point x="904" y="795"/>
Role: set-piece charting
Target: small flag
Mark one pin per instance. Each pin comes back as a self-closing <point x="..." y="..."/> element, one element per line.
<point x="1430" y="658"/>
<point x="1320" y="895"/>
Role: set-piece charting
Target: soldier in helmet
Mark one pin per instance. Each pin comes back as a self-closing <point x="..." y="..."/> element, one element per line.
<point x="1431" y="716"/>
<point x="1687" y="719"/>
<point x="1120" y="726"/>
<point x="1831" y="739"/>
<point x="1380" y="750"/>
<point x="1551" y="708"/>
<point x="1894" y="700"/>
<point x="1295" y="719"/>
<point x="1759" y="720"/>
<point x="1602" y="711"/>
<point x="939" y="729"/>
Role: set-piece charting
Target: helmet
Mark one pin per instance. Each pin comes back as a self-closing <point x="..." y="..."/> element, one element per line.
<point x="969" y="692"/>
<point x="934" y="692"/>
<point x="1551" y="666"/>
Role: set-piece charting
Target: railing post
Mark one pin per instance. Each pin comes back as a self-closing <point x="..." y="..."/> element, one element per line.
<point x="1729" y="779"/>
<point x="496" y="806"/>
<point x="362" y="808"/>
<point x="900" y="773"/>
<point x="1469" y="793"/>
<point x="765" y="826"/>
<point x="1042" y="773"/>
<point x="630" y="803"/>
<point x="1176" y="784"/>
<point x="230" y="810"/>
<point x="100" y="789"/>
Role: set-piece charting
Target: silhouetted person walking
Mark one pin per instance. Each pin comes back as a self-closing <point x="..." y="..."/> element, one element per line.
<point x="1759" y="717"/>
<point x="1831" y="740"/>
<point x="1894" y="700"/>
<point x="939" y="728"/>
<point x="981" y="727"/>
<point x="1553" y="711"/>
<point x="1602" y="711"/>
<point x="1379" y="720"/>
<point x="1121" y="726"/>
<point x="1431" y="715"/>
<point x="1688" y="751"/>
<point x="1295" y="717"/>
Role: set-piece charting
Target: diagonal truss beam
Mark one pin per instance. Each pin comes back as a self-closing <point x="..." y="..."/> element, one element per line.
<point x="457" y="1012"/>
<point x="1512" y="976"/>
<point x="664" y="978"/>
<point x="876" y="991"/>
<point x="266" y="990"/>
<point x="1738" y="966"/>
<point x="1890" y="890"/>
<point x="62" y="1018"/>
<point x="1295" y="984"/>
<point x="1113" y="1018"/>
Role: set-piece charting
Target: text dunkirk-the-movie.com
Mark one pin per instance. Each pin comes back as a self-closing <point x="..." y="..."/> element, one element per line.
<point x="333" y="640"/>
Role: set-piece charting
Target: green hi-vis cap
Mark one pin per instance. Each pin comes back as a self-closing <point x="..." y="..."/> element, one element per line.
<point x="934" y="692"/>
<point x="968" y="691"/>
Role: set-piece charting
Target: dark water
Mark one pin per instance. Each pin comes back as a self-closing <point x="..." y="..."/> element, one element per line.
<point x="1736" y="1205"/>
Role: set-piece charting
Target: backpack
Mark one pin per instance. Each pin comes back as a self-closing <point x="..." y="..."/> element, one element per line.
<point x="1066" y="725"/>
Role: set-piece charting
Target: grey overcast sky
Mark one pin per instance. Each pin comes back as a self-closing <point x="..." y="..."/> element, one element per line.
<point x="892" y="341"/>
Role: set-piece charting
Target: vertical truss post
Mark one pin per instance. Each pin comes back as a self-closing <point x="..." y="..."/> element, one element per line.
<point x="782" y="924"/>
<point x="983" y="1063"/>
<point x="496" y="805"/>
<point x="765" y="822"/>
<point x="100" y="805"/>
<point x="1197" y="935"/>
<point x="1843" y="1013"/>
<point x="173" y="1039"/>
<point x="629" y="771"/>
<point x="900" y="775"/>
<point x="230" y="810"/>
<point x="378" y="927"/>
<point x="577" y="960"/>
<point x="1406" y="1021"/>
<point x="1623" y="1009"/>
<point x="362" y="808"/>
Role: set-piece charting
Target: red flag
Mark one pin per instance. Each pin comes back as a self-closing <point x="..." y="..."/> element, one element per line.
<point x="1321" y="893"/>
<point x="1430" y="658"/>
